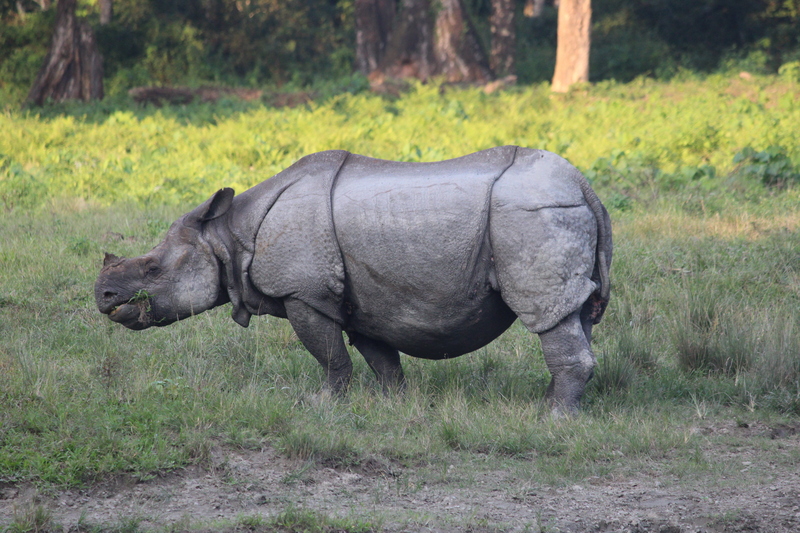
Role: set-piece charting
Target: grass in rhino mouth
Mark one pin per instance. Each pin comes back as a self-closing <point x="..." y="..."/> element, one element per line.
<point x="140" y="299"/>
<point x="140" y="296"/>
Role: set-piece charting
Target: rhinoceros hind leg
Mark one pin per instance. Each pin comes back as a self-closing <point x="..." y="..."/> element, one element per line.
<point x="570" y="361"/>
<point x="384" y="362"/>
<point x="323" y="338"/>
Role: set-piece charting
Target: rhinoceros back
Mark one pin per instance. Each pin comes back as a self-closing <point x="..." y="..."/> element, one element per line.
<point x="416" y="251"/>
<point x="436" y="259"/>
<point x="447" y="254"/>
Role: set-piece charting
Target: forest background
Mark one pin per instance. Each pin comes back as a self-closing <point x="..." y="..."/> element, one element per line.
<point x="298" y="43"/>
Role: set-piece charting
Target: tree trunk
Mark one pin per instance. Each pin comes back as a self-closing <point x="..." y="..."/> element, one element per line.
<point x="574" y="41"/>
<point x="410" y="50"/>
<point x="504" y="37"/>
<point x="459" y="55"/>
<point x="373" y="20"/>
<point x="73" y="67"/>
<point x="421" y="47"/>
<point x="106" y="11"/>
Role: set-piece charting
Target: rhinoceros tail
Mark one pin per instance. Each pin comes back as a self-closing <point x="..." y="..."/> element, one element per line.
<point x="605" y="245"/>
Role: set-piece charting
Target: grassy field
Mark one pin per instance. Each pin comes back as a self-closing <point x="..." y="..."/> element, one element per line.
<point x="703" y="323"/>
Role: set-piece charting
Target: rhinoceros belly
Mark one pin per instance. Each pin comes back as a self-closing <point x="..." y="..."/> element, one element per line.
<point x="416" y="253"/>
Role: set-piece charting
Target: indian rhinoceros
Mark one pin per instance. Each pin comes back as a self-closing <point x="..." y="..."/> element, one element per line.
<point x="434" y="260"/>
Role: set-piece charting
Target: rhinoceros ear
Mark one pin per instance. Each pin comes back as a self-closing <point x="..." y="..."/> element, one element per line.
<point x="109" y="259"/>
<point x="214" y="207"/>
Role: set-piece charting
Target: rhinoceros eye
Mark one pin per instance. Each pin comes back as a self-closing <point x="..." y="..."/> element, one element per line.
<point x="152" y="269"/>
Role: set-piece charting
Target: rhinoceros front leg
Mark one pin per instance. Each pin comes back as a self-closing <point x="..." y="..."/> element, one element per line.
<point x="384" y="362"/>
<point x="570" y="361"/>
<point x="323" y="338"/>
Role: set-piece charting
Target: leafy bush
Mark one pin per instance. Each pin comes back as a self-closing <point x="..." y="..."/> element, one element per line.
<point x="23" y="45"/>
<point x="680" y="142"/>
<point x="772" y="166"/>
<point x="17" y="187"/>
<point x="790" y="71"/>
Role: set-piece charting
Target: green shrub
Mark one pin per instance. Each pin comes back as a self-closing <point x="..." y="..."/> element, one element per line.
<point x="790" y="71"/>
<point x="17" y="187"/>
<point x="772" y="166"/>
<point x="113" y="150"/>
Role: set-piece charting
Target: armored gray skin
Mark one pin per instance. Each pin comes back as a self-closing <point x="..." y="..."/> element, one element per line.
<point x="434" y="260"/>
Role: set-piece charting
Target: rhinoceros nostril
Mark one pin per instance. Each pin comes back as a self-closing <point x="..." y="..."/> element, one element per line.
<point x="108" y="295"/>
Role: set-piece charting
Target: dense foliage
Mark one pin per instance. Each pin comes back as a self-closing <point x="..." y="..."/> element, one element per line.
<point x="713" y="136"/>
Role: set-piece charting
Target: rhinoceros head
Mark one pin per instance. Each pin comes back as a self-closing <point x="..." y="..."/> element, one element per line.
<point x="177" y="279"/>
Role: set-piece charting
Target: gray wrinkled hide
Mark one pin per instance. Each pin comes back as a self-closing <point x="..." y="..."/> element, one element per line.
<point x="415" y="240"/>
<point x="432" y="259"/>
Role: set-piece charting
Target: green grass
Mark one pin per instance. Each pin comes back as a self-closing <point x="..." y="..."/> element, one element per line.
<point x="703" y="322"/>
<point x="83" y="398"/>
<point x="37" y="519"/>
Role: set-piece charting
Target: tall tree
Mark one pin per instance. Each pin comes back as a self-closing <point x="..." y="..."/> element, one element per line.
<point x="373" y="20"/>
<point x="504" y="37"/>
<point x="409" y="53"/>
<point x="422" y="40"/>
<point x="73" y="67"/>
<point x="574" y="42"/>
<point x="459" y="55"/>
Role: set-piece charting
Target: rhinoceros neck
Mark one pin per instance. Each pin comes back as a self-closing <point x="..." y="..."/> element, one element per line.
<point x="233" y="236"/>
<point x="235" y="285"/>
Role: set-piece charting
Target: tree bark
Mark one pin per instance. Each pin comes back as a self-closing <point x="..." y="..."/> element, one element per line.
<point x="422" y="45"/>
<point x="106" y="11"/>
<point x="409" y="53"/>
<point x="574" y="42"/>
<point x="373" y="20"/>
<point x="459" y="55"/>
<point x="504" y="38"/>
<point x="73" y="67"/>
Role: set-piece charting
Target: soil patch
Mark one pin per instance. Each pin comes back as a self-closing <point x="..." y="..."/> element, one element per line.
<point x="761" y="497"/>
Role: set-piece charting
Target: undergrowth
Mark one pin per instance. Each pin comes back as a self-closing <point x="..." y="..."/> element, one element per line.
<point x="708" y="137"/>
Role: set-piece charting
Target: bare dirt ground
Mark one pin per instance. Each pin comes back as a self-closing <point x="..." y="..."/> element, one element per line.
<point x="760" y="497"/>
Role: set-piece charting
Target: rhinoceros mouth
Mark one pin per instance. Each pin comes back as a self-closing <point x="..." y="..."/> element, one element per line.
<point x="135" y="315"/>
